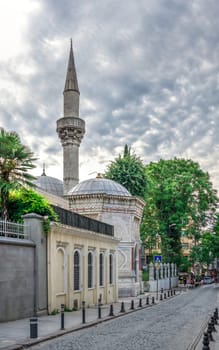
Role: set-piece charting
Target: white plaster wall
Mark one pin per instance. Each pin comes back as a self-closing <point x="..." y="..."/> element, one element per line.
<point x="68" y="239"/>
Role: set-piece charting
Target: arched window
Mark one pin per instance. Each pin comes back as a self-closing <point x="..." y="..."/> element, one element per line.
<point x="101" y="269"/>
<point x="76" y="270"/>
<point x="60" y="279"/>
<point x="90" y="270"/>
<point x="110" y="268"/>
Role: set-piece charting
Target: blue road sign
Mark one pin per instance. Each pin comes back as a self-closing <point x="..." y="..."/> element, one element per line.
<point x="157" y="259"/>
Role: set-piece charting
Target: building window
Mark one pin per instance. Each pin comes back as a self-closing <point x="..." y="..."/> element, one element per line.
<point x="90" y="270"/>
<point x="76" y="270"/>
<point x="101" y="268"/>
<point x="110" y="268"/>
<point x="60" y="271"/>
<point x="185" y="245"/>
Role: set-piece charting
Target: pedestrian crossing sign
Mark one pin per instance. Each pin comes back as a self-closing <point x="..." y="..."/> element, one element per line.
<point x="157" y="259"/>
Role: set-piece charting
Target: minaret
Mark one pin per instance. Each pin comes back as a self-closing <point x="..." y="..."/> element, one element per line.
<point x="71" y="128"/>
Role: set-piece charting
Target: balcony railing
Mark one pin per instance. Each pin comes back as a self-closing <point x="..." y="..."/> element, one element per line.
<point x="13" y="230"/>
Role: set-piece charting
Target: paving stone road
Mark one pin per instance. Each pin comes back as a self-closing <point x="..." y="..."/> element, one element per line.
<point x="171" y="325"/>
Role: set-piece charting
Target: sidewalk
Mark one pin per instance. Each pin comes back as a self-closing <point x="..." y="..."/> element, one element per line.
<point x="15" y="335"/>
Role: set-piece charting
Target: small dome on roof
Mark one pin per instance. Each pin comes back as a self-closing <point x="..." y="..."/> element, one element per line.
<point x="49" y="184"/>
<point x="99" y="185"/>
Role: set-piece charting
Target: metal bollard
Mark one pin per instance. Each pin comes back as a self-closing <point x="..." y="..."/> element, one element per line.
<point x="122" y="307"/>
<point x="153" y="300"/>
<point x="171" y="292"/>
<point x="161" y="297"/>
<point x="216" y="312"/>
<point x="164" y="296"/>
<point x="147" y="301"/>
<point x="83" y="312"/>
<point x="209" y="331"/>
<point x="212" y="325"/>
<point x="215" y="318"/>
<point x="132" y="305"/>
<point x="62" y="316"/>
<point x="174" y="292"/>
<point x="111" y="313"/>
<point x="140" y="303"/>
<point x="205" y="342"/>
<point x="168" y="293"/>
<point x="33" y="327"/>
<point x="99" y="308"/>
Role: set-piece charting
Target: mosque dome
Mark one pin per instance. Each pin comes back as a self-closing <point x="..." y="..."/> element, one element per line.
<point x="99" y="185"/>
<point x="49" y="184"/>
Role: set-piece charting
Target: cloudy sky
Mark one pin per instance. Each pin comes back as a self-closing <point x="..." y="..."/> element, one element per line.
<point x="148" y="73"/>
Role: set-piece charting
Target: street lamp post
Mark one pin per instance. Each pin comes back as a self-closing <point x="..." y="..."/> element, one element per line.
<point x="157" y="261"/>
<point x="157" y="276"/>
<point x="170" y="272"/>
<point x="170" y="276"/>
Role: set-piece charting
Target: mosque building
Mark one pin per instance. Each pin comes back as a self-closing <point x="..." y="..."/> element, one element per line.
<point x="100" y="199"/>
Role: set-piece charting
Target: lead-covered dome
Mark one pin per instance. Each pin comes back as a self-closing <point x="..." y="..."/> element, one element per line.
<point x="99" y="186"/>
<point x="49" y="184"/>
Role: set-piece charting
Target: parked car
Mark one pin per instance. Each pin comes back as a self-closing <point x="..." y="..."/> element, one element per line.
<point x="208" y="280"/>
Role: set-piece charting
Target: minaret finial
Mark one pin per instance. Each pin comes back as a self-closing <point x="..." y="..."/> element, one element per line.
<point x="71" y="44"/>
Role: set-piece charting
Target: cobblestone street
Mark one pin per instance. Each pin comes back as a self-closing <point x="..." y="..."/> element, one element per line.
<point x="169" y="325"/>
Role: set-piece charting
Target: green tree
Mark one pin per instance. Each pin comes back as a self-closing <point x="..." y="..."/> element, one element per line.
<point x="15" y="161"/>
<point x="128" y="170"/>
<point x="207" y="248"/>
<point x="204" y="252"/>
<point x="24" y="201"/>
<point x="179" y="197"/>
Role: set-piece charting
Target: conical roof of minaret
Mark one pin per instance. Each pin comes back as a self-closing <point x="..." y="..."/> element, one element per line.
<point x="71" y="82"/>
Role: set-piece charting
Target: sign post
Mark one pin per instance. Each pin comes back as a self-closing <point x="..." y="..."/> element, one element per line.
<point x="157" y="262"/>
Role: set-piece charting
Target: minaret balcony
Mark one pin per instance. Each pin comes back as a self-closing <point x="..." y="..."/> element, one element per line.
<point x="73" y="122"/>
<point x="70" y="130"/>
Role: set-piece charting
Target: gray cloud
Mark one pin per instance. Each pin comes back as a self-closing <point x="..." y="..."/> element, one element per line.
<point x="148" y="76"/>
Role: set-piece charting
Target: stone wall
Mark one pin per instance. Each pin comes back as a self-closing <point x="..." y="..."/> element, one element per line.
<point x="162" y="276"/>
<point x="16" y="278"/>
<point x="23" y="272"/>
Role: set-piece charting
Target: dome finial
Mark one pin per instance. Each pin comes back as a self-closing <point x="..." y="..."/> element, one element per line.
<point x="99" y="176"/>
<point x="44" y="170"/>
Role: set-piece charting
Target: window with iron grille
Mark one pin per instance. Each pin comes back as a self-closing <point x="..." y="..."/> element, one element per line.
<point x="101" y="268"/>
<point x="90" y="270"/>
<point x="110" y="268"/>
<point x="76" y="270"/>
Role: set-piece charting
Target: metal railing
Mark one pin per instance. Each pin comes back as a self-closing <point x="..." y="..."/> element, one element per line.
<point x="70" y="218"/>
<point x="13" y="230"/>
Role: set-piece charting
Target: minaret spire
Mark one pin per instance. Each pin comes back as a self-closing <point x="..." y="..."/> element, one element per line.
<point x="71" y="82"/>
<point x="71" y="90"/>
<point x="71" y="128"/>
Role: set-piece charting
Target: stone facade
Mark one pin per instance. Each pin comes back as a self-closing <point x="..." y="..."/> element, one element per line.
<point x="124" y="213"/>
